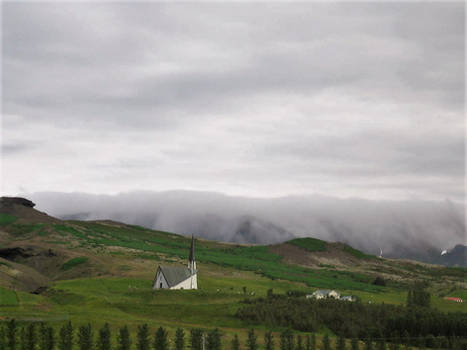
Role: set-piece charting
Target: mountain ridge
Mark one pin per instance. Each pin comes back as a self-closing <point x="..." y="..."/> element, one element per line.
<point x="50" y="242"/>
<point x="402" y="229"/>
<point x="82" y="270"/>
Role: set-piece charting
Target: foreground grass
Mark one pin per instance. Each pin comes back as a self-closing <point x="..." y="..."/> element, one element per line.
<point x="115" y="299"/>
<point x="132" y="299"/>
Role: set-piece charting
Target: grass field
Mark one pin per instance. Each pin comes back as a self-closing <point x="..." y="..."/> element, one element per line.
<point x="8" y="297"/>
<point x="133" y="299"/>
<point x="310" y="244"/>
<point x="6" y="219"/>
<point x="74" y="262"/>
<point x="108" y="274"/>
<point x="252" y="258"/>
<point x="357" y="253"/>
<point x="132" y="302"/>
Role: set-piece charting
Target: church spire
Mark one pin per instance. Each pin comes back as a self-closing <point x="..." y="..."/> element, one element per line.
<point x="191" y="259"/>
<point x="192" y="249"/>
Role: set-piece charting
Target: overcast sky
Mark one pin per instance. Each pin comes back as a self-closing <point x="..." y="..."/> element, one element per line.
<point x="341" y="99"/>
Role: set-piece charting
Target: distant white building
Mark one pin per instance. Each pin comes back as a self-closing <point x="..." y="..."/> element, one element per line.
<point x="348" y="298"/>
<point x="178" y="277"/>
<point x="324" y="294"/>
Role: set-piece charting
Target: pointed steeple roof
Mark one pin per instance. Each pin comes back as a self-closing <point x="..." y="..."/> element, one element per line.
<point x="192" y="249"/>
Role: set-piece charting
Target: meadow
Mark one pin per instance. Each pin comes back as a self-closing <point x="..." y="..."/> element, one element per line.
<point x="247" y="258"/>
<point x="108" y="278"/>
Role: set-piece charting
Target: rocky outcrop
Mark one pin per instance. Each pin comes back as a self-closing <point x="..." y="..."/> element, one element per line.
<point x="9" y="201"/>
<point x="14" y="253"/>
<point x="21" y="253"/>
<point x="23" y="210"/>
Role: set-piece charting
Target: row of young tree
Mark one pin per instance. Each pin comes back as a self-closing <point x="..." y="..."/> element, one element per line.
<point x="289" y="341"/>
<point x="43" y="337"/>
<point x="353" y="319"/>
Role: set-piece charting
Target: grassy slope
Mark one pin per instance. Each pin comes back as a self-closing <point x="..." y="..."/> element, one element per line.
<point x="109" y="269"/>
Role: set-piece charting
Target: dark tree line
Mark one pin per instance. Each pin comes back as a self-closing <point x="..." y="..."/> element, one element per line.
<point x="354" y="319"/>
<point x="31" y="337"/>
<point x="418" y="297"/>
<point x="43" y="337"/>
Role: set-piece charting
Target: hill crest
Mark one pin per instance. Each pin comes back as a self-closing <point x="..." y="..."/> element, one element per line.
<point x="98" y="248"/>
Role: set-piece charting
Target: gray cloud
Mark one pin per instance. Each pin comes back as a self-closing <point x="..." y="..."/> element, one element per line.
<point x="401" y="228"/>
<point x="345" y="99"/>
<point x="10" y="149"/>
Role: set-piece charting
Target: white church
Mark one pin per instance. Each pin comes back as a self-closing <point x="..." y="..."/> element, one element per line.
<point x="178" y="277"/>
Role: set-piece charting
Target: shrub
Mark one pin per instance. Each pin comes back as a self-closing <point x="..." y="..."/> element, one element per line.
<point x="66" y="337"/>
<point x="214" y="340"/>
<point x="161" y="339"/>
<point x="326" y="342"/>
<point x="235" y="343"/>
<point x="179" y="339"/>
<point x="379" y="281"/>
<point x="143" y="337"/>
<point x="104" y="338"/>
<point x="251" y="340"/>
<point x="85" y="337"/>
<point x="196" y="339"/>
<point x="268" y="341"/>
<point x="11" y="334"/>
<point x="124" y="340"/>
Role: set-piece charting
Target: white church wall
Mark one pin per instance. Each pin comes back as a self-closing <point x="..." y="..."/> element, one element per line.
<point x="186" y="284"/>
<point x="160" y="281"/>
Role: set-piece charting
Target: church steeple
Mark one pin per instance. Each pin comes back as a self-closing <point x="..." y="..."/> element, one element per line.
<point x="192" y="249"/>
<point x="191" y="258"/>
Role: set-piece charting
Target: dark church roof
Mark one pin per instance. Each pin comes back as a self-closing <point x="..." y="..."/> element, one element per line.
<point x="175" y="274"/>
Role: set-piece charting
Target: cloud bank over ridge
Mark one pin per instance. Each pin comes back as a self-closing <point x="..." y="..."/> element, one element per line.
<point x="400" y="228"/>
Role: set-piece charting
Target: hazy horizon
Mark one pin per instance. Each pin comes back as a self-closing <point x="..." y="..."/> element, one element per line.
<point x="226" y="194"/>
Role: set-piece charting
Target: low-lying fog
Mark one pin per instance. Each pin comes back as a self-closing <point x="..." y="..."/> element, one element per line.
<point x="399" y="228"/>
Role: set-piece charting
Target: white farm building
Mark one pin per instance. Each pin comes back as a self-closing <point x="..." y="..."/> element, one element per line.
<point x="324" y="294"/>
<point x="178" y="277"/>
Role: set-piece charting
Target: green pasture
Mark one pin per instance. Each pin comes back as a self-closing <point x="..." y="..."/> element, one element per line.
<point x="22" y="229"/>
<point x="8" y="297"/>
<point x="252" y="258"/>
<point x="310" y="244"/>
<point x="399" y="297"/>
<point x="358" y="253"/>
<point x="448" y="305"/>
<point x="132" y="301"/>
<point x="6" y="219"/>
<point x="74" y="262"/>
<point x="228" y="275"/>
<point x="154" y="244"/>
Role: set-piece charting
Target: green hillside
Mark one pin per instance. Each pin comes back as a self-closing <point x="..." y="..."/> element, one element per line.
<point x="102" y="271"/>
